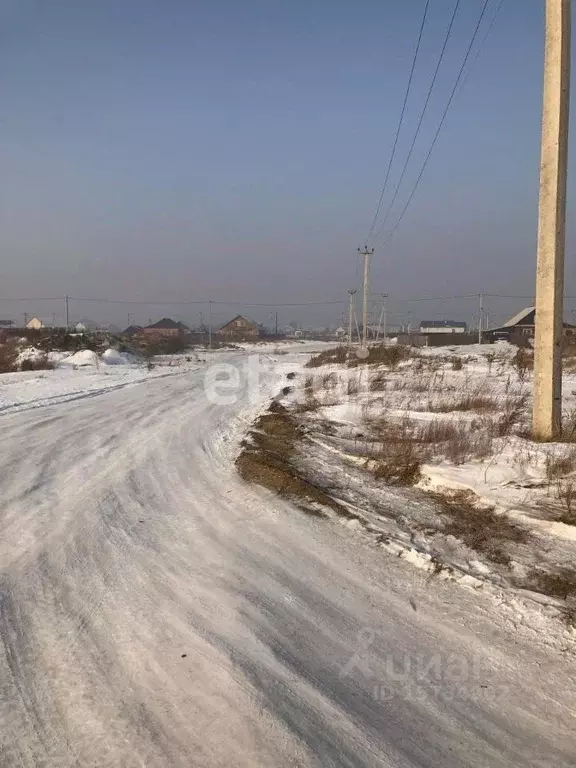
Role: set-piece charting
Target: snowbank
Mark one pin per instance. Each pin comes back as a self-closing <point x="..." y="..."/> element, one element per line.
<point x="82" y="358"/>
<point x="113" y="357"/>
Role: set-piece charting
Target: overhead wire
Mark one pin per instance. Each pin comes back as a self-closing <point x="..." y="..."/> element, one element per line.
<point x="487" y="34"/>
<point x="440" y="125"/>
<point x="401" y="120"/>
<point x="422" y="116"/>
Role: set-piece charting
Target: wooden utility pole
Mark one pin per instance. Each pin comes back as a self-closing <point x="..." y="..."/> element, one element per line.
<point x="67" y="302"/>
<point x="350" y="314"/>
<point x="367" y="253"/>
<point x="547" y="405"/>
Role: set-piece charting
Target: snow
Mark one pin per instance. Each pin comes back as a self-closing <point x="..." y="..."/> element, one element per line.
<point x="113" y="357"/>
<point x="84" y="357"/>
<point x="76" y="378"/>
<point x="156" y="610"/>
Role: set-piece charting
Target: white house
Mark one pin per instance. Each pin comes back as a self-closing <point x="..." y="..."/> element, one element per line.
<point x="442" y="326"/>
<point x="35" y="324"/>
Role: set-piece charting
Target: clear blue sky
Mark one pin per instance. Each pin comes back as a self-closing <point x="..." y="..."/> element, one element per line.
<point x="178" y="149"/>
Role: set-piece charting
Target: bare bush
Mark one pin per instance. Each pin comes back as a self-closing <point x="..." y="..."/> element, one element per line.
<point x="352" y="386"/>
<point x="569" y="427"/>
<point x="457" y="364"/>
<point x="8" y="356"/>
<point x="399" y="463"/>
<point x="338" y="355"/>
<point x="522" y="362"/>
<point x="39" y="363"/>
<point x="490" y="357"/>
<point x="330" y="380"/>
<point x="559" y="466"/>
<point x="566" y="493"/>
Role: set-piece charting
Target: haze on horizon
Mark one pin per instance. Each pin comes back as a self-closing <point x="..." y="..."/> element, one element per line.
<point x="183" y="151"/>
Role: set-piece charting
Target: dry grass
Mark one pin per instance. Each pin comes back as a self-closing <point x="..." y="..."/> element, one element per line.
<point x="513" y="410"/>
<point x="394" y="455"/>
<point x="390" y="355"/>
<point x="378" y="382"/>
<point x="267" y="459"/>
<point x="399" y="463"/>
<point x="469" y="402"/>
<point x="338" y="355"/>
<point x="478" y="526"/>
<point x="439" y="431"/>
<point x="560" y="584"/>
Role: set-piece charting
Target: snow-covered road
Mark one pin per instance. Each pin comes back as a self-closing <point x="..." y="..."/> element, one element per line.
<point x="155" y="611"/>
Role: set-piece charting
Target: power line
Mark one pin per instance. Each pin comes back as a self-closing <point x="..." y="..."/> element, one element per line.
<point x="35" y="298"/>
<point x="422" y="115"/>
<point x="207" y="301"/>
<point x="441" y="124"/>
<point x="482" y="44"/>
<point x="402" y="113"/>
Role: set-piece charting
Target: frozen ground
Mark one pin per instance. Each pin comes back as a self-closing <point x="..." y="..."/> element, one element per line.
<point x="156" y="611"/>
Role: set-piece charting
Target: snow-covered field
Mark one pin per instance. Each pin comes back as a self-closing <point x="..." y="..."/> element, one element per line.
<point x="157" y="611"/>
<point x="82" y="374"/>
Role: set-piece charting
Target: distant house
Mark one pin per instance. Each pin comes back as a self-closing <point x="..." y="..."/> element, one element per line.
<point x="164" y="329"/>
<point x="522" y="326"/>
<point x="132" y="330"/>
<point x="240" y="328"/>
<point x="35" y="324"/>
<point x="442" y="326"/>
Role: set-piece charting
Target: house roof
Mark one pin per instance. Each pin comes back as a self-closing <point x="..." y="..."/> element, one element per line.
<point x="168" y="324"/>
<point x="442" y="324"/>
<point x="524" y="314"/>
<point x="527" y="318"/>
<point x="240" y="317"/>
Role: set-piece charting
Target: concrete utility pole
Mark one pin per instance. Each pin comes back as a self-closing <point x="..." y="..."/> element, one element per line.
<point x="367" y="253"/>
<point x="209" y="324"/>
<point x="480" y="311"/>
<point x="547" y="403"/>
<point x="350" y="314"/>
<point x="382" y="320"/>
<point x="384" y="316"/>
